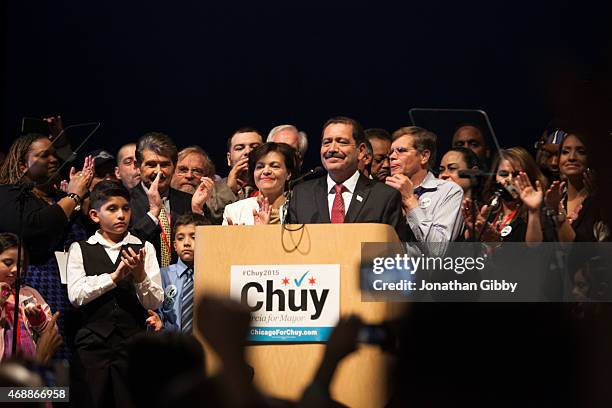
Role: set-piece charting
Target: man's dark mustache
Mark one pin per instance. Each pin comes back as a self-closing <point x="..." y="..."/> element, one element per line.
<point x="329" y="155"/>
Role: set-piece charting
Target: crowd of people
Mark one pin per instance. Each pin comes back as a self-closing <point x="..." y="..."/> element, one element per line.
<point x="109" y="252"/>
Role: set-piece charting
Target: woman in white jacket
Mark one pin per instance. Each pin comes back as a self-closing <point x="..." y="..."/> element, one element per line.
<point x="270" y="167"/>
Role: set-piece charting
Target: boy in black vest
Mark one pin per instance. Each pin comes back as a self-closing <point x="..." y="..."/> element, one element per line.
<point x="113" y="278"/>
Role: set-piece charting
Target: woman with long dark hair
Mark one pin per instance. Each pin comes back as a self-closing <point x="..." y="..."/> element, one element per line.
<point x="573" y="199"/>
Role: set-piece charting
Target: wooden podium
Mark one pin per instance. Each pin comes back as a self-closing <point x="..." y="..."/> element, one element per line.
<point x="284" y="370"/>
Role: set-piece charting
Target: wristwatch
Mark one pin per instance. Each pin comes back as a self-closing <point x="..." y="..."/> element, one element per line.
<point x="77" y="200"/>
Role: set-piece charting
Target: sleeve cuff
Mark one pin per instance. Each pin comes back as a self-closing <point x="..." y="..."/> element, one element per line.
<point x="414" y="216"/>
<point x="106" y="283"/>
<point x="154" y="218"/>
<point x="144" y="285"/>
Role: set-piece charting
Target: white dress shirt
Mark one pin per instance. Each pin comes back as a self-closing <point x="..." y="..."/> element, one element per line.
<point x="349" y="188"/>
<point x="82" y="289"/>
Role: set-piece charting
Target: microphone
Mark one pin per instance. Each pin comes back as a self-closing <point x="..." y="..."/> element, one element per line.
<point x="312" y="173"/>
<point x="497" y="193"/>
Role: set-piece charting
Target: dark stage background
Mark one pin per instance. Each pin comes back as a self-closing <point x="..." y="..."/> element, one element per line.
<point x="197" y="70"/>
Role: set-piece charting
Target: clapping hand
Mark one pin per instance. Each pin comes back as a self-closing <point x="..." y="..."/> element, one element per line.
<point x="588" y="178"/>
<point x="262" y="216"/>
<point x="135" y="262"/>
<point x="553" y="195"/>
<point x="201" y="195"/>
<point x="484" y="229"/>
<point x="531" y="197"/>
<point x="79" y="182"/>
<point x="121" y="272"/>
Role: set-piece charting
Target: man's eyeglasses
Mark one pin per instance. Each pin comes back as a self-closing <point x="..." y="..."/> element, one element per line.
<point x="401" y="150"/>
<point x="184" y="170"/>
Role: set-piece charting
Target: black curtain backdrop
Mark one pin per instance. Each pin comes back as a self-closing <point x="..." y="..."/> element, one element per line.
<point x="197" y="71"/>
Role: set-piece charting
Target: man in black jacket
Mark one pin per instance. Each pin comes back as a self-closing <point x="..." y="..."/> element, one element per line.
<point x="154" y="203"/>
<point x="345" y="196"/>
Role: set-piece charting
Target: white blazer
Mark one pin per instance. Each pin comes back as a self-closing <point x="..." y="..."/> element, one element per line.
<point x="241" y="212"/>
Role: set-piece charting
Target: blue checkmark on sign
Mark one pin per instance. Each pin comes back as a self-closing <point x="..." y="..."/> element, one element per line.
<point x="299" y="282"/>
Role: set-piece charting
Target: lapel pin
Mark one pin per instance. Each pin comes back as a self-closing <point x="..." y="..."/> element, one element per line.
<point x="359" y="198"/>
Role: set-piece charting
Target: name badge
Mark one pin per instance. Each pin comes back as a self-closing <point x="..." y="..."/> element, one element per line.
<point x="506" y="231"/>
<point x="425" y="202"/>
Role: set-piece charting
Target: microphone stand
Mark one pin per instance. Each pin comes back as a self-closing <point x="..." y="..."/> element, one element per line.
<point x="312" y="172"/>
<point x="25" y="187"/>
<point x="474" y="187"/>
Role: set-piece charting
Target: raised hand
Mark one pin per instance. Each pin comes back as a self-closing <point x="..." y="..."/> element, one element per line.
<point x="63" y="186"/>
<point x="553" y="195"/>
<point x="155" y="201"/>
<point x="135" y="262"/>
<point x="79" y="182"/>
<point x="49" y="341"/>
<point x="262" y="217"/>
<point x="531" y="197"/>
<point x="343" y="339"/>
<point x="233" y="178"/>
<point x="201" y="195"/>
<point x="55" y="126"/>
<point x="224" y="323"/>
<point x="153" y="321"/>
<point x="403" y="184"/>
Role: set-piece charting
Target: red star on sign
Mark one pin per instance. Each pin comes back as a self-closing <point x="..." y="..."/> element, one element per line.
<point x="285" y="281"/>
<point x="312" y="281"/>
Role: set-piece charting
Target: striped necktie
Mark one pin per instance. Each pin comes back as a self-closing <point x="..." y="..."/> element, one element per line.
<point x="187" y="302"/>
<point x="164" y="237"/>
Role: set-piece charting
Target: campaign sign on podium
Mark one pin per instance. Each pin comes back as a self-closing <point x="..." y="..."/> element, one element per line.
<point x="289" y="303"/>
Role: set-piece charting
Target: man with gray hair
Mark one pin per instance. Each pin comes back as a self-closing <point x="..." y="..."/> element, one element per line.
<point x="193" y="164"/>
<point x="432" y="206"/>
<point x="290" y="135"/>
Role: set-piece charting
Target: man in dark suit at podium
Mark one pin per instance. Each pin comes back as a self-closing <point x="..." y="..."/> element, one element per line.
<point x="345" y="196"/>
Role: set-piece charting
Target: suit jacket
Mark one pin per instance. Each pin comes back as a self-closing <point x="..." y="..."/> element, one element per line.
<point x="221" y="195"/>
<point x="380" y="204"/>
<point x="144" y="227"/>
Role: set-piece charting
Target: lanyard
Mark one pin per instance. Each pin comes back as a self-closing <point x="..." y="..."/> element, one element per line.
<point x="507" y="220"/>
<point x="163" y="233"/>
